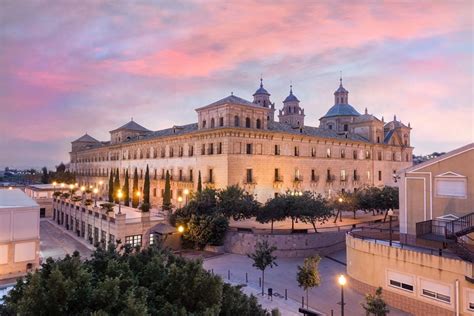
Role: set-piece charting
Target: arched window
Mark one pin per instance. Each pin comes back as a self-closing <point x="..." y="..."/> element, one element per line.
<point x="259" y="124"/>
<point x="247" y="122"/>
<point x="346" y="127"/>
<point x="204" y="124"/>
<point x="236" y="121"/>
<point x="329" y="126"/>
<point x="221" y="121"/>
<point x="213" y="123"/>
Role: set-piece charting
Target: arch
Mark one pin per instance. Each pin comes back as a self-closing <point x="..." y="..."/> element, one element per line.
<point x="236" y="121"/>
<point x="247" y="122"/>
<point x="213" y="123"/>
<point x="259" y="124"/>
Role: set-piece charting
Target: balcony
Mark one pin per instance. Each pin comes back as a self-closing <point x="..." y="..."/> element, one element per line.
<point x="330" y="179"/>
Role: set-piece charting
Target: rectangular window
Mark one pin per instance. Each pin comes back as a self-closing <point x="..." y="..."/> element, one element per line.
<point x="221" y="121"/>
<point x="203" y="149"/>
<point x="380" y="175"/>
<point x="277" y="150"/>
<point x="171" y="152"/>
<point x="219" y="148"/>
<point x="379" y="155"/>
<point x="211" y="176"/>
<point x="191" y="151"/>
<point x="313" y="175"/>
<point x="210" y="149"/>
<point x="367" y="154"/>
<point x="134" y="240"/>
<point x="152" y="239"/>
<point x="328" y="153"/>
<point x="343" y="175"/>
<point x="180" y="174"/>
<point x="103" y="236"/>
<point x="155" y="175"/>
<point x="297" y="151"/>
<point x="249" y="176"/>
<point x="277" y="174"/>
<point x="400" y="281"/>
<point x="154" y="192"/>
<point x="368" y="175"/>
<point x="435" y="291"/>
<point x="191" y="175"/>
<point x="111" y="239"/>
<point x="163" y="174"/>
<point x="343" y="153"/>
<point x="248" y="150"/>
<point x="452" y="187"/>
<point x="354" y="154"/>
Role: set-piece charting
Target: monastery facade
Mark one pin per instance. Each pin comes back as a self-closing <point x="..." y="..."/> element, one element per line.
<point x="236" y="141"/>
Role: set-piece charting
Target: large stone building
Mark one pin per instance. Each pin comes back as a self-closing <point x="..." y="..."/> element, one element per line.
<point x="236" y="141"/>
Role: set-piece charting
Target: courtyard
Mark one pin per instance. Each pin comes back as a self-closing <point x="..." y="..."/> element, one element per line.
<point x="324" y="298"/>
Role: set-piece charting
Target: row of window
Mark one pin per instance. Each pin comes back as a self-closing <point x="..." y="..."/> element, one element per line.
<point x="248" y="122"/>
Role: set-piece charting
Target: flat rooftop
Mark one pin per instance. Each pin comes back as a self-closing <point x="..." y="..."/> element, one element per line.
<point x="11" y="198"/>
<point x="48" y="186"/>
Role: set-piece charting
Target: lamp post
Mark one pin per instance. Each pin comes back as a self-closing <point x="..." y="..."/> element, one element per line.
<point x="390" y="215"/>
<point x="180" y="199"/>
<point x="54" y="186"/>
<point x="83" y="190"/>
<point x="342" y="281"/>
<point x="95" y="196"/>
<point x="119" y="196"/>
<point x="138" y="194"/>
<point x="186" y="193"/>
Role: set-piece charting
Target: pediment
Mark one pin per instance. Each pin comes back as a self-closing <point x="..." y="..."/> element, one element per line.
<point x="450" y="174"/>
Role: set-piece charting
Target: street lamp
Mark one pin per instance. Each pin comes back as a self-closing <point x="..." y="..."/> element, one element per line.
<point x="180" y="228"/>
<point x="119" y="196"/>
<point x="62" y="185"/>
<point x="138" y="194"/>
<point x="340" y="200"/>
<point x="180" y="199"/>
<point x="390" y="215"/>
<point x="342" y="281"/>
<point x="95" y="196"/>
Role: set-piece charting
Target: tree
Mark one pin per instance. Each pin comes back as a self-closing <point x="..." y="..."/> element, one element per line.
<point x="44" y="175"/>
<point x="388" y="199"/>
<point x="167" y="193"/>
<point x="272" y="211"/>
<point x="375" y="305"/>
<point x="312" y="208"/>
<point x="135" y="197"/>
<point x="111" y="186"/>
<point x="236" y="203"/>
<point x="146" y="187"/>
<point x="126" y="190"/>
<point x="126" y="282"/>
<point x="308" y="275"/>
<point x="367" y="199"/>
<point x="116" y="186"/>
<point x="199" y="185"/>
<point x="263" y="258"/>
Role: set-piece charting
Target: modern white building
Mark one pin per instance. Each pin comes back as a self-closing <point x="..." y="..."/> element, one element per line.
<point x="19" y="233"/>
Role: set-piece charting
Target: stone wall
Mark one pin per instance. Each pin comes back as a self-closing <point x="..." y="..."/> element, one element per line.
<point x="289" y="245"/>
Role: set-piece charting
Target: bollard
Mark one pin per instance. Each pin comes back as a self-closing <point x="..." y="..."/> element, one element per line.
<point x="246" y="278"/>
<point x="228" y="274"/>
<point x="286" y="294"/>
<point x="302" y="301"/>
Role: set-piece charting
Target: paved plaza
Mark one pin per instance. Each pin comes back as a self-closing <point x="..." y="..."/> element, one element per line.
<point x="323" y="299"/>
<point x="56" y="242"/>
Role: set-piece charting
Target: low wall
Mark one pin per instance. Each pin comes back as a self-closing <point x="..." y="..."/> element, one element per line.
<point x="289" y="245"/>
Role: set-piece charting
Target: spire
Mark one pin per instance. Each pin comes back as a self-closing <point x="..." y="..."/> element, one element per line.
<point x="394" y="118"/>
<point x="382" y="119"/>
<point x="366" y="111"/>
<point x="340" y="78"/>
<point x="261" y="82"/>
<point x="291" y="89"/>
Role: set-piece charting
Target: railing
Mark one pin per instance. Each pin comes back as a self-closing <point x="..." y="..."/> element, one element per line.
<point x="423" y="228"/>
<point x="460" y="226"/>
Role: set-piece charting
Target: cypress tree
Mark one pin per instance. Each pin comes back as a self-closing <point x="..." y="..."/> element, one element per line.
<point x="111" y="186"/>
<point x="126" y="190"/>
<point x="167" y="193"/>
<point x="199" y="182"/>
<point x="146" y="187"/>
<point x="116" y="186"/>
<point x="135" y="189"/>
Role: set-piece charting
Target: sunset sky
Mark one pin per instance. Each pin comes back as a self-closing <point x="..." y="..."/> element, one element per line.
<point x="69" y="69"/>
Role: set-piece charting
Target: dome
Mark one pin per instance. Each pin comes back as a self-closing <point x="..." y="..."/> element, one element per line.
<point x="291" y="97"/>
<point x="342" y="110"/>
<point x="261" y="90"/>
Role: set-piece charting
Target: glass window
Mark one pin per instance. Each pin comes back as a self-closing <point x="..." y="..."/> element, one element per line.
<point x="277" y="150"/>
<point x="134" y="240"/>
<point x="249" y="149"/>
<point x="249" y="176"/>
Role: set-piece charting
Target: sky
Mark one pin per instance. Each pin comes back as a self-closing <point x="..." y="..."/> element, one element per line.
<point x="67" y="67"/>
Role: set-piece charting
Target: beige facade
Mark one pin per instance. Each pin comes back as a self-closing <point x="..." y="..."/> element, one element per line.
<point x="43" y="195"/>
<point x="19" y="234"/>
<point x="415" y="281"/>
<point x="96" y="226"/>
<point x="238" y="142"/>
<point x="435" y="189"/>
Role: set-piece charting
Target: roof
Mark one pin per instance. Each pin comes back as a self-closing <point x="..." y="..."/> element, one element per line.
<point x="447" y="155"/>
<point x="341" y="89"/>
<point x="314" y="131"/>
<point x="231" y="99"/>
<point x="388" y="136"/>
<point x="86" y="138"/>
<point x="132" y="126"/>
<point x="48" y="186"/>
<point x="261" y="90"/>
<point x="341" y="110"/>
<point x="291" y="97"/>
<point x="163" y="229"/>
<point x="15" y="198"/>
<point x="366" y="118"/>
<point x="396" y="123"/>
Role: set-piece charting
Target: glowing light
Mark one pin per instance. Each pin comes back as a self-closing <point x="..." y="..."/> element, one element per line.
<point x="181" y="228"/>
<point x="54" y="183"/>
<point x="340" y="200"/>
<point x="119" y="194"/>
<point x="342" y="280"/>
<point x="83" y="188"/>
<point x="96" y="191"/>
<point x="180" y="199"/>
<point x="186" y="191"/>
